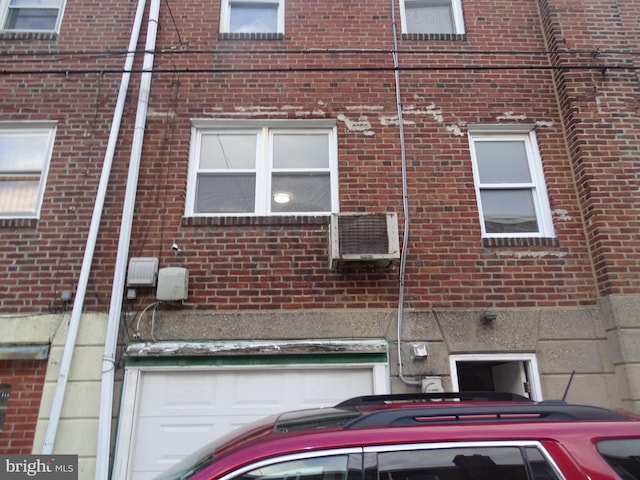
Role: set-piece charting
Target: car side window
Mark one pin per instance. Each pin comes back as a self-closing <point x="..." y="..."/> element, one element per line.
<point x="623" y="455"/>
<point x="465" y="463"/>
<point x="316" y="468"/>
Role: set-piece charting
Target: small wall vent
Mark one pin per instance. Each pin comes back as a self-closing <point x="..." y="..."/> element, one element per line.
<point x="363" y="237"/>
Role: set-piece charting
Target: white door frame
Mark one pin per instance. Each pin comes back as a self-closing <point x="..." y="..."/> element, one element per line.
<point x="529" y="359"/>
<point x="133" y="376"/>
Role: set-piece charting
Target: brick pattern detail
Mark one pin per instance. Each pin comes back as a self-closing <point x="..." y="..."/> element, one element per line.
<point x="599" y="112"/>
<point x="26" y="378"/>
<point x="334" y="62"/>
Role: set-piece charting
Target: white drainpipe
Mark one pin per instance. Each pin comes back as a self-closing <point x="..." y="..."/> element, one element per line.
<point x="78" y="303"/>
<point x="115" y="310"/>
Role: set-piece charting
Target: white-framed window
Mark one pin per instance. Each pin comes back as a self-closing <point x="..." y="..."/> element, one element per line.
<point x="431" y="16"/>
<point x="499" y="372"/>
<point x="509" y="181"/>
<point x="252" y="16"/>
<point x="31" y="15"/>
<point x="247" y="168"/>
<point x="25" y="152"/>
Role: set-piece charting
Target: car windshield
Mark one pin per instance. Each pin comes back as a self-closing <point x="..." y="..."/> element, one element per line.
<point x="311" y="419"/>
<point x="314" y="419"/>
<point x="209" y="453"/>
<point x="191" y="464"/>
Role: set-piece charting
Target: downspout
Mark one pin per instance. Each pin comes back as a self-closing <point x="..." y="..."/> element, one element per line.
<point x="115" y="309"/>
<point x="78" y="303"/>
<point x="405" y="199"/>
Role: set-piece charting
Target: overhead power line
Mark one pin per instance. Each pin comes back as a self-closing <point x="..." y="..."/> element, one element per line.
<point x="311" y="51"/>
<point x="86" y="71"/>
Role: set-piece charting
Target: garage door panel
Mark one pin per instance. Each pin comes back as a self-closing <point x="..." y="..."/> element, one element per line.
<point x="172" y="393"/>
<point x="165" y="441"/>
<point x="327" y="388"/>
<point x="180" y="410"/>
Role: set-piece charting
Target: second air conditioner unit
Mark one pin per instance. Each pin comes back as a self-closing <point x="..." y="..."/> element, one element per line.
<point x="363" y="237"/>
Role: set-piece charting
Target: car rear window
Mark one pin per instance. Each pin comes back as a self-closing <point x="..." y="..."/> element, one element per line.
<point x="464" y="463"/>
<point x="623" y="455"/>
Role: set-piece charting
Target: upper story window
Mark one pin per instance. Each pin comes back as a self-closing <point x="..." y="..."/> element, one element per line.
<point x="25" y="152"/>
<point x="509" y="181"/>
<point x="431" y="16"/>
<point x="251" y="168"/>
<point x="252" y="16"/>
<point x="31" y="15"/>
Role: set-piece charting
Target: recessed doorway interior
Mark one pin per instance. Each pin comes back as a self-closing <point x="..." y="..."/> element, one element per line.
<point x="517" y="373"/>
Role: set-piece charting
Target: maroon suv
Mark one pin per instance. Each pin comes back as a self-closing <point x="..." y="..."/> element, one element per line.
<point x="452" y="436"/>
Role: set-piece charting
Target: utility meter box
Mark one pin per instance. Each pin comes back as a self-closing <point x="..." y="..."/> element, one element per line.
<point x="173" y="284"/>
<point x="143" y="272"/>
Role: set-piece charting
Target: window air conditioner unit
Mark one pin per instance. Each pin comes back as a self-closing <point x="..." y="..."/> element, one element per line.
<point x="363" y="237"/>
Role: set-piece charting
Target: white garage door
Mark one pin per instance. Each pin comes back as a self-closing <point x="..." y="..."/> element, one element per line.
<point x="172" y="411"/>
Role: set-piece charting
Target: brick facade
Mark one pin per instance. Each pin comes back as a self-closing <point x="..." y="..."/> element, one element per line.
<point x="565" y="68"/>
<point x="25" y="379"/>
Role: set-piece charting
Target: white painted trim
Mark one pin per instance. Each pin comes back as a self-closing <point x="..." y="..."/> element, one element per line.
<point x="263" y="169"/>
<point x="233" y="123"/>
<point x="497" y="128"/>
<point x="456" y="10"/>
<point x="128" y="414"/>
<point x="537" y="184"/>
<point x="529" y="359"/>
<point x="34" y="127"/>
<point x="4" y="11"/>
<point x="225" y="14"/>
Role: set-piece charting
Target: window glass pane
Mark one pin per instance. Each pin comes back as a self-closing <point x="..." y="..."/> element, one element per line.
<point x="300" y="150"/>
<point x="502" y="162"/>
<point x="540" y="468"/>
<point x="253" y="18"/>
<point x="19" y="196"/>
<point x="623" y="455"/>
<point x="429" y="17"/>
<point x="453" y="464"/>
<point x="322" y="468"/>
<point x="31" y="19"/>
<point x="23" y="152"/>
<point x="509" y="211"/>
<point x="301" y="193"/>
<point x="228" y="151"/>
<point x="36" y="3"/>
<point x="225" y="193"/>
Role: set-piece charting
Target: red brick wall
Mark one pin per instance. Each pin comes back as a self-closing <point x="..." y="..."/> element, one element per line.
<point x="600" y="114"/>
<point x="586" y="139"/>
<point x="41" y="258"/>
<point x="26" y="378"/>
<point x="272" y="264"/>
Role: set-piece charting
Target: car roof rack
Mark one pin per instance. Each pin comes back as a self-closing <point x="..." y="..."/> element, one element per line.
<point x="473" y="396"/>
<point x="531" y="412"/>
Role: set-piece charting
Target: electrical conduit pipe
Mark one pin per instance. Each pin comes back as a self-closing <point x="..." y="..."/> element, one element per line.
<point x="78" y="304"/>
<point x="115" y="309"/>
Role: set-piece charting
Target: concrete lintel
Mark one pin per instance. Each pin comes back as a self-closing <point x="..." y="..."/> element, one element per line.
<point x="267" y="347"/>
<point x="24" y="352"/>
